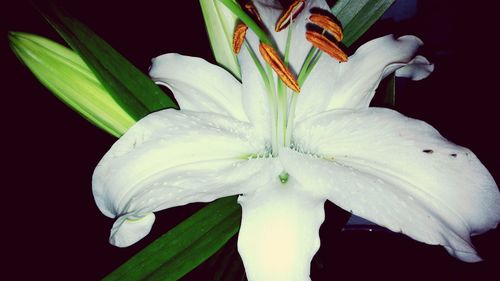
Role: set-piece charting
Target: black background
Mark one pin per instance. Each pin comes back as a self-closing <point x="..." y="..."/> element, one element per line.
<point x="51" y="228"/>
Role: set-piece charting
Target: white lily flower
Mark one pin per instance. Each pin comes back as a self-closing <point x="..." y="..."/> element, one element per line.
<point x="232" y="138"/>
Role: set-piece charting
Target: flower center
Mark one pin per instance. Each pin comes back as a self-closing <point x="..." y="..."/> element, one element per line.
<point x="281" y="84"/>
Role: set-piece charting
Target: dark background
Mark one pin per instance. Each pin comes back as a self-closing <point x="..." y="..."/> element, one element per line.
<point x="52" y="229"/>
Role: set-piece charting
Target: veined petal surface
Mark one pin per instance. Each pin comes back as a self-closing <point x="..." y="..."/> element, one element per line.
<point x="397" y="172"/>
<point x="351" y="85"/>
<point x="199" y="85"/>
<point x="172" y="158"/>
<point x="279" y="232"/>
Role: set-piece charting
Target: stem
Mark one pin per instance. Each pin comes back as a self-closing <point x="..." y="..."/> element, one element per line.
<point x="309" y="62"/>
<point x="245" y="18"/>
<point x="274" y="110"/>
<point x="304" y="71"/>
<point x="267" y="77"/>
<point x="257" y="63"/>
<point x="287" y="125"/>
<point x="313" y="62"/>
<point x="291" y="116"/>
<point x="282" y="112"/>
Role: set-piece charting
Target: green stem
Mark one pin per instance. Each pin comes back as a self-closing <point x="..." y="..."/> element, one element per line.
<point x="306" y="69"/>
<point x="274" y="110"/>
<point x="291" y="116"/>
<point x="245" y="18"/>
<point x="257" y="63"/>
<point x="311" y="60"/>
<point x="288" y="41"/>
<point x="267" y="77"/>
<point x="283" y="98"/>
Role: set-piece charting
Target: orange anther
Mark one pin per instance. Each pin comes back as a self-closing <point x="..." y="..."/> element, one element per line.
<point x="321" y="42"/>
<point x="273" y="59"/>
<point x="290" y="14"/>
<point x="328" y="24"/>
<point x="239" y="37"/>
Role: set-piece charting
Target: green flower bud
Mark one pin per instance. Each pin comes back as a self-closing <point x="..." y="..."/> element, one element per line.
<point x="64" y="73"/>
<point x="220" y="23"/>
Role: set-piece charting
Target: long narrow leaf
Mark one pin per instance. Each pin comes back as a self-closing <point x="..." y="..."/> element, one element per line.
<point x="132" y="89"/>
<point x="390" y="92"/>
<point x="357" y="16"/>
<point x="185" y="246"/>
<point x="229" y="265"/>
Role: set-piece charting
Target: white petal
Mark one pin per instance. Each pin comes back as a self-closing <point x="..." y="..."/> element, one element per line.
<point x="220" y="23"/>
<point x="372" y="62"/>
<point x="172" y="158"/>
<point x="397" y="172"/>
<point x="352" y="84"/>
<point x="417" y="69"/>
<point x="199" y="85"/>
<point x="255" y="98"/>
<point x="279" y="232"/>
<point x="127" y="231"/>
<point x="317" y="90"/>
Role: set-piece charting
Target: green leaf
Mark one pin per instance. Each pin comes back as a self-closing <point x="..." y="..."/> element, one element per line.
<point x="220" y="23"/>
<point x="228" y="263"/>
<point x="64" y="73"/>
<point x="185" y="246"/>
<point x="357" y="16"/>
<point x="390" y="91"/>
<point x="132" y="89"/>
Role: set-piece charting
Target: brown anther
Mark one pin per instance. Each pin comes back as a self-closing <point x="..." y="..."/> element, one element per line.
<point x="239" y="37"/>
<point x="253" y="11"/>
<point x="273" y="59"/>
<point x="290" y="14"/>
<point x="321" y="42"/>
<point x="327" y="24"/>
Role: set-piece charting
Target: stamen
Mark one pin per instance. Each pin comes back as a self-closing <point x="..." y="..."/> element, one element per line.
<point x="328" y="24"/>
<point x="239" y="37"/>
<point x="273" y="59"/>
<point x="289" y="15"/>
<point x="253" y="11"/>
<point x="326" y="45"/>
